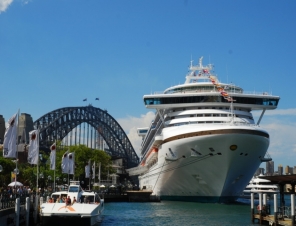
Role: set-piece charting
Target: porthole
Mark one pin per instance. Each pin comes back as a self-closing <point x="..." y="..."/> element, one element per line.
<point x="233" y="147"/>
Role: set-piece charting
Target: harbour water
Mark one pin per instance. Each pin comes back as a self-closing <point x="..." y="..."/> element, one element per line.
<point x="176" y="213"/>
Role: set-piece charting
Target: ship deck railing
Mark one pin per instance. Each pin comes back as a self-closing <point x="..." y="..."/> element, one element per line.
<point x="215" y="91"/>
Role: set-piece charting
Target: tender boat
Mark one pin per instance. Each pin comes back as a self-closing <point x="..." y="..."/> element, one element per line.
<point x="203" y="144"/>
<point x="86" y="211"/>
<point x="258" y="185"/>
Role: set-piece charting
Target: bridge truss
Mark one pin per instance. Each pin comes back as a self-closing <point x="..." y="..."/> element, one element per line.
<point x="56" y="125"/>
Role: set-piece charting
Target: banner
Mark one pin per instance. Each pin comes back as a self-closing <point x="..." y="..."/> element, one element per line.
<point x="13" y="176"/>
<point x="9" y="143"/>
<point x="53" y="156"/>
<point x="71" y="163"/>
<point x="33" y="153"/>
<point x="65" y="163"/>
<point x="87" y="170"/>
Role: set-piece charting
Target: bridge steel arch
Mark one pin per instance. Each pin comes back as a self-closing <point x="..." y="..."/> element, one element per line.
<point x="56" y="124"/>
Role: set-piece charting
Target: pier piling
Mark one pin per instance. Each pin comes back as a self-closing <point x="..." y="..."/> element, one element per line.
<point x="252" y="207"/>
<point x="17" y="212"/>
<point x="293" y="209"/>
<point x="260" y="207"/>
<point x="27" y="210"/>
<point x="36" y="208"/>
<point x="275" y="208"/>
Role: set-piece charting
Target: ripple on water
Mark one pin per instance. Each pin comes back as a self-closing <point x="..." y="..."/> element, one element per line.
<point x="175" y="213"/>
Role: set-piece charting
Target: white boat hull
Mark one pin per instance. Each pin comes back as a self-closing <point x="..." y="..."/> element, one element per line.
<point x="217" y="178"/>
<point x="79" y="213"/>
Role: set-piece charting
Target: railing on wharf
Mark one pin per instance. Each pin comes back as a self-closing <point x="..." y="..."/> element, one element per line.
<point x="8" y="200"/>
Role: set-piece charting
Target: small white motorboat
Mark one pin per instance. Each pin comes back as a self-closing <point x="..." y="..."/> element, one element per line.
<point x="87" y="210"/>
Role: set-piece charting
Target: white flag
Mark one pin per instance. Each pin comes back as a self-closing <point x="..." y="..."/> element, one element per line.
<point x="87" y="170"/>
<point x="33" y="153"/>
<point x="65" y="163"/>
<point x="93" y="170"/>
<point x="53" y="156"/>
<point x="9" y="143"/>
<point x="71" y="163"/>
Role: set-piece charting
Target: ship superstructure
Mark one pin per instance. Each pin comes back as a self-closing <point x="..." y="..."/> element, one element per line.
<point x="203" y="144"/>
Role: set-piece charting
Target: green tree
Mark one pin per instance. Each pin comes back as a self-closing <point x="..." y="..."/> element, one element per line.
<point x="8" y="166"/>
<point x="28" y="172"/>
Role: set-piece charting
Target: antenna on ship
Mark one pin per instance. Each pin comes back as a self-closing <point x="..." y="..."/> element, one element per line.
<point x="200" y="62"/>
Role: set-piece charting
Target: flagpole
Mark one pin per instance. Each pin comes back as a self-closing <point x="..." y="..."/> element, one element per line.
<point x="16" y="156"/>
<point x="100" y="174"/>
<point x="94" y="172"/>
<point x="74" y="164"/>
<point x="56" y="147"/>
<point x="89" y="175"/>
<point x="37" y="163"/>
<point x="68" y="156"/>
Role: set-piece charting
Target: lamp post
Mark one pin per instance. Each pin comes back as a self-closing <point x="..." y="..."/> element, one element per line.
<point x="16" y="172"/>
<point x="41" y="177"/>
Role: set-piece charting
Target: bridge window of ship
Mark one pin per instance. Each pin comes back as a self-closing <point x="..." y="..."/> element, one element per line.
<point x="199" y="99"/>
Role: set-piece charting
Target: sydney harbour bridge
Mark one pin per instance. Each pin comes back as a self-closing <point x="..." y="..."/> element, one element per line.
<point x="86" y="125"/>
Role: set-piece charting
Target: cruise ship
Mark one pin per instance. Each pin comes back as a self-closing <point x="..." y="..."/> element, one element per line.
<point x="203" y="144"/>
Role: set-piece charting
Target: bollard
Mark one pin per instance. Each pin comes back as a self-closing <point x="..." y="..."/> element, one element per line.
<point x="264" y="207"/>
<point x="36" y="208"/>
<point x="252" y="207"/>
<point x="27" y="210"/>
<point x="264" y="199"/>
<point x="260" y="207"/>
<point x="293" y="209"/>
<point x="17" y="212"/>
<point x="275" y="208"/>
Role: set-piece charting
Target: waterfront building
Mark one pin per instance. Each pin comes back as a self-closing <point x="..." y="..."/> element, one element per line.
<point x="294" y="170"/>
<point x="288" y="170"/>
<point x="280" y="169"/>
<point x="259" y="171"/>
<point x="269" y="168"/>
<point x="25" y="126"/>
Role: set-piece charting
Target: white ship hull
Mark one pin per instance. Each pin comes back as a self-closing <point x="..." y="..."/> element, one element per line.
<point x="205" y="178"/>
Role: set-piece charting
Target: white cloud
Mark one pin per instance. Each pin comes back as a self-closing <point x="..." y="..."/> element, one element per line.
<point x="282" y="129"/>
<point x="4" y="4"/>
<point x="282" y="138"/>
<point x="130" y="125"/>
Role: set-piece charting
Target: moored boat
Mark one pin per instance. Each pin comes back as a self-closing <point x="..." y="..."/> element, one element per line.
<point x="87" y="210"/>
<point x="208" y="143"/>
<point x="259" y="185"/>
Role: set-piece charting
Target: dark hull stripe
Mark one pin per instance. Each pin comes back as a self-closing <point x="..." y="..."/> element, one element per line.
<point x="215" y="132"/>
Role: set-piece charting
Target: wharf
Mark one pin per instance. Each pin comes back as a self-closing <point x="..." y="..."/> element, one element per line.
<point x="282" y="215"/>
<point x="270" y="220"/>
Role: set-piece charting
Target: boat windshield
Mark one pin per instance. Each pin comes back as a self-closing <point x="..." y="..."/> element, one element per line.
<point x="73" y="189"/>
<point x="87" y="198"/>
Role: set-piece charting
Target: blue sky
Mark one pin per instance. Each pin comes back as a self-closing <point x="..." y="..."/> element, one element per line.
<point x="55" y="53"/>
